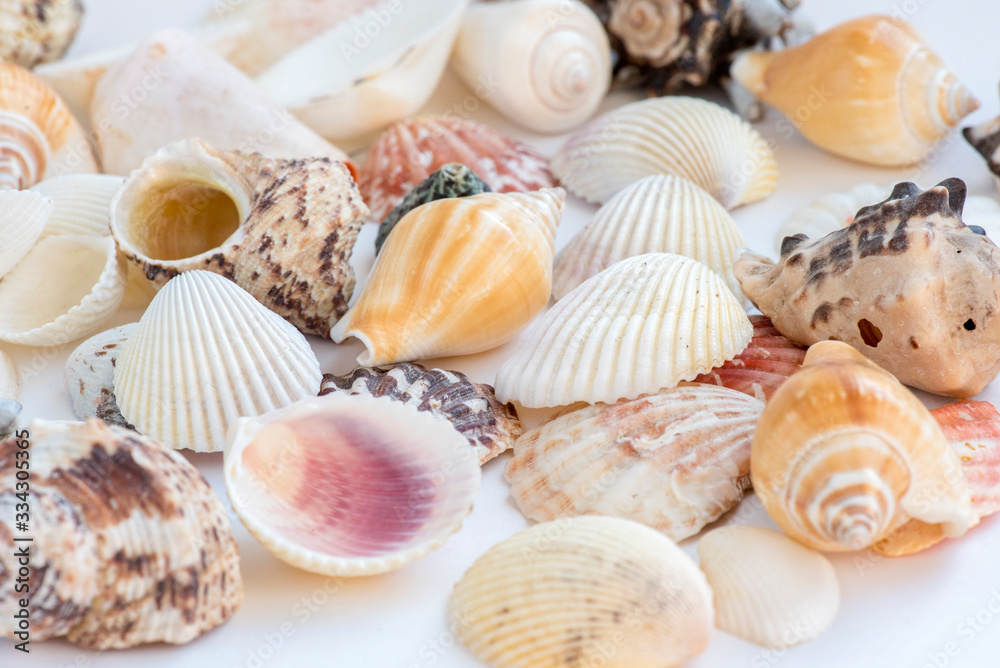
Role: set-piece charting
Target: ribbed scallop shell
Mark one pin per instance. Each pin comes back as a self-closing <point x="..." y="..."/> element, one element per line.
<point x="81" y="203"/>
<point x="350" y="485"/>
<point x="586" y="591"/>
<point x="23" y="216"/>
<point x="767" y="588"/>
<point x="657" y="214"/>
<point x="410" y="151"/>
<point x="37" y="31"/>
<point x="641" y="325"/>
<point x="205" y="352"/>
<point x="131" y="545"/>
<point x="472" y="408"/>
<point x="684" y="136"/>
<point x="89" y="376"/>
<point x="457" y="276"/>
<point x="10" y="381"/>
<point x="843" y="450"/>
<point x="674" y="461"/>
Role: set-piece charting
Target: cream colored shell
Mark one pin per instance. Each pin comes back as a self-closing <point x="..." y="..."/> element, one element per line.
<point x="23" y="216"/>
<point x="37" y="31"/>
<point x="81" y="203"/>
<point x="10" y="380"/>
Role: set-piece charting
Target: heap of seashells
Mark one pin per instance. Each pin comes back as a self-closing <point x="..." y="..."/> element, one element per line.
<point x="224" y="205"/>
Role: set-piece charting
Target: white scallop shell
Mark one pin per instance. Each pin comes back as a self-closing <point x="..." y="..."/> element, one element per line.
<point x="22" y="218"/>
<point x="586" y="591"/>
<point x="678" y="135"/>
<point x="641" y="325"/>
<point x="81" y="203"/>
<point x="350" y="484"/>
<point x="205" y="353"/>
<point x="10" y="382"/>
<point x="657" y="214"/>
<point x="768" y="589"/>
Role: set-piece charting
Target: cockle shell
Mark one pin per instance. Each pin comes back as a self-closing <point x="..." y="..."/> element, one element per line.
<point x="583" y="591"/>
<point x="410" y="151"/>
<point x="81" y="203"/>
<point x="675" y="461"/>
<point x="23" y="216"/>
<point x="683" y="136"/>
<point x="131" y="546"/>
<point x="281" y="229"/>
<point x="89" y="376"/>
<point x="641" y="325"/>
<point x="843" y="452"/>
<point x="369" y="71"/>
<point x="869" y="89"/>
<point x="472" y="408"/>
<point x="908" y="284"/>
<point x="173" y="87"/>
<point x="10" y="381"/>
<point x="204" y="353"/>
<point x="37" y="31"/>
<point x="457" y="276"/>
<point x="41" y="138"/>
<point x="657" y="214"/>
<point x="767" y="588"/>
<point x="544" y="64"/>
<point x="349" y="484"/>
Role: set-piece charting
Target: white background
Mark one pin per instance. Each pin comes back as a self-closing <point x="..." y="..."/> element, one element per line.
<point x="905" y="612"/>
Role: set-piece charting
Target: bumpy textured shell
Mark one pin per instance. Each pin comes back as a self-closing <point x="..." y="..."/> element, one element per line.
<point x="350" y="484"/>
<point x="37" y="31"/>
<point x="457" y="276"/>
<point x="843" y="453"/>
<point x="23" y="216"/>
<point x="131" y="545"/>
<point x="204" y="354"/>
<point x="907" y="283"/>
<point x="684" y="136"/>
<point x="410" y="151"/>
<point x="767" y="588"/>
<point x="490" y="427"/>
<point x="584" y="591"/>
<point x="657" y="214"/>
<point x="641" y="325"/>
<point x="296" y="225"/>
<point x="985" y="138"/>
<point x="675" y="461"/>
<point x="452" y="180"/>
<point x="89" y="376"/>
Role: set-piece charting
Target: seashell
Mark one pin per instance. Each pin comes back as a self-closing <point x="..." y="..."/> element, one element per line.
<point x="639" y="326"/>
<point x="544" y="64"/>
<point x="81" y="203"/>
<point x="457" y="276"/>
<point x="984" y="138"/>
<point x="131" y="546"/>
<point x="682" y="136"/>
<point x="767" y="588"/>
<point x="64" y="289"/>
<point x="22" y="218"/>
<point x="348" y="484"/>
<point x="206" y="343"/>
<point x="472" y="408"/>
<point x="37" y="31"/>
<point x="585" y="591"/>
<point x="89" y="376"/>
<point x="452" y="180"/>
<point x="10" y="411"/>
<point x="843" y="451"/>
<point x="874" y="91"/>
<point x="918" y="301"/>
<point x="281" y="229"/>
<point x="189" y="91"/>
<point x="656" y="214"/>
<point x="410" y="151"/>
<point x="347" y="84"/>
<point x="674" y="461"/>
<point x="10" y="381"/>
<point x="40" y="136"/>
<point x="763" y="366"/>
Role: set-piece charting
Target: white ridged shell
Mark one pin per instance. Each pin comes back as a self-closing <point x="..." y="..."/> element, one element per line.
<point x="641" y="325"/>
<point x="82" y="203"/>
<point x="768" y="589"/>
<point x="684" y="136"/>
<point x="657" y="214"/>
<point x="586" y="591"/>
<point x="10" y="382"/>
<point x="205" y="353"/>
<point x="22" y="218"/>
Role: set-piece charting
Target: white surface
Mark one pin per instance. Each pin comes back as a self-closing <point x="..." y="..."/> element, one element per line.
<point x="940" y="608"/>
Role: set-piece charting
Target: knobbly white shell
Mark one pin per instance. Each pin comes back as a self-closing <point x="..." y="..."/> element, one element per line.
<point x="205" y="352"/>
<point x="683" y="136"/>
<point x="641" y="325"/>
<point x="768" y="589"/>
<point x="657" y="214"/>
<point x="10" y="382"/>
<point x="37" y="31"/>
<point x="22" y="218"/>
<point x="89" y="375"/>
<point x="350" y="484"/>
<point x="586" y="591"/>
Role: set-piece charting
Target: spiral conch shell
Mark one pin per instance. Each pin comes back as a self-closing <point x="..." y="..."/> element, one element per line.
<point x="869" y="89"/>
<point x="37" y="31"/>
<point x="548" y="60"/>
<point x="843" y="453"/>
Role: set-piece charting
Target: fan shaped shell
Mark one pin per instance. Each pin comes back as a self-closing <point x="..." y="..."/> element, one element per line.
<point x="23" y="216"/>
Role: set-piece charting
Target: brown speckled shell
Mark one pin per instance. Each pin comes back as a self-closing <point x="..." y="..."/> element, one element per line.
<point x="37" y="31"/>
<point x="89" y="376"/>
